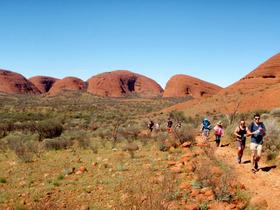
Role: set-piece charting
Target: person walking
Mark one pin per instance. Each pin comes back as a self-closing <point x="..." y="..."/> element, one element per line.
<point x="240" y="132"/>
<point x="219" y="132"/>
<point x="205" y="128"/>
<point x="169" y="125"/>
<point x="156" y="127"/>
<point x="151" y="125"/>
<point x="257" y="131"/>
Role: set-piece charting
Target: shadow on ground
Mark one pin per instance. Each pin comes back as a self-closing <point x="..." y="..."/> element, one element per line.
<point x="267" y="168"/>
<point x="247" y="161"/>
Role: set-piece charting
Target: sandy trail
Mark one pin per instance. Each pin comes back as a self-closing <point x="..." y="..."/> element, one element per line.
<point x="264" y="184"/>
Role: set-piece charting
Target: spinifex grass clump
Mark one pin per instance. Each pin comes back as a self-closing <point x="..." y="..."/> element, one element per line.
<point x="131" y="148"/>
<point x="25" y="146"/>
<point x="275" y="113"/>
<point x="272" y="139"/>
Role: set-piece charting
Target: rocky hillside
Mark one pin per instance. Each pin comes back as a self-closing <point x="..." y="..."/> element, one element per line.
<point x="257" y="90"/>
<point x="183" y="85"/>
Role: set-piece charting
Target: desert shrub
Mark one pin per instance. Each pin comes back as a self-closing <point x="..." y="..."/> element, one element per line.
<point x="24" y="146"/>
<point x="177" y="116"/>
<point x="80" y="138"/>
<point x="57" y="143"/>
<point x="5" y="128"/>
<point x="229" y="131"/>
<point x="272" y="139"/>
<point x="103" y="133"/>
<point x="23" y="116"/>
<point x="275" y="112"/>
<point x="162" y="136"/>
<point x="3" y="146"/>
<point x="185" y="133"/>
<point x="265" y="116"/>
<point x="3" y="180"/>
<point x="131" y="131"/>
<point x="163" y="147"/>
<point x="195" y="121"/>
<point x="93" y="126"/>
<point x="94" y="147"/>
<point x="49" y="129"/>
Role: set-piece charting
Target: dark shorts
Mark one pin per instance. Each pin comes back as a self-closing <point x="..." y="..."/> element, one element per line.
<point x="240" y="143"/>
<point x="218" y="138"/>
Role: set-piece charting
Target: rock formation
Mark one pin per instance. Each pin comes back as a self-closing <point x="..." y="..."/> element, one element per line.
<point x="43" y="83"/>
<point x="14" y="83"/>
<point x="66" y="84"/>
<point x="183" y="85"/>
<point x="123" y="83"/>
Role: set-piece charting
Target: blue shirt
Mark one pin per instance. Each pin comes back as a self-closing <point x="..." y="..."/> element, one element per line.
<point x="257" y="138"/>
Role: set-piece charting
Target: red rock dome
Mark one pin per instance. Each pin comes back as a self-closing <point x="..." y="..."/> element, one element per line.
<point x="14" y="83"/>
<point x="258" y="90"/>
<point x="122" y="83"/>
<point x="67" y="83"/>
<point x="268" y="69"/>
<point x="43" y="83"/>
<point x="182" y="85"/>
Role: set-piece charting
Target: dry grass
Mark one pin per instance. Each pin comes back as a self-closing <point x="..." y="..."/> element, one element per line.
<point x="48" y="182"/>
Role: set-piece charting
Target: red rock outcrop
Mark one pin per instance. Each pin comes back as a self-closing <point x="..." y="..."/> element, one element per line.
<point x="122" y="83"/>
<point x="182" y="85"/>
<point x="257" y="90"/>
<point x="268" y="69"/>
<point x="14" y="83"/>
<point x="43" y="83"/>
<point x="67" y="83"/>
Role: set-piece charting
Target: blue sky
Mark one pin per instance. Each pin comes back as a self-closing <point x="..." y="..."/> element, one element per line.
<point x="219" y="41"/>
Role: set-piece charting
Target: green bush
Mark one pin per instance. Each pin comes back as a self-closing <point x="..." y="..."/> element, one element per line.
<point x="178" y="116"/>
<point x="3" y="180"/>
<point x="49" y="129"/>
<point x="80" y="138"/>
<point x="185" y="133"/>
<point x="272" y="139"/>
<point x="104" y="133"/>
<point x="57" y="144"/>
<point x="23" y="145"/>
<point x="275" y="112"/>
<point x="5" y="128"/>
<point x="130" y="131"/>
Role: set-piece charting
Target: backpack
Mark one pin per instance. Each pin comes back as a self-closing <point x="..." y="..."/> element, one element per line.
<point x="206" y="124"/>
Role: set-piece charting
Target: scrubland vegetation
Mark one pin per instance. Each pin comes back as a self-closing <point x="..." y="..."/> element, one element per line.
<point x="78" y="151"/>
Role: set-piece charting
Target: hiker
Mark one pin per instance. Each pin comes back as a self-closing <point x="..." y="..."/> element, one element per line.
<point x="219" y="132"/>
<point x="156" y="127"/>
<point x="151" y="125"/>
<point x="240" y="132"/>
<point x="257" y="132"/>
<point x="205" y="128"/>
<point x="169" y="125"/>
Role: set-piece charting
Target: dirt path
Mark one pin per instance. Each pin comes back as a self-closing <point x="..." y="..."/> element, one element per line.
<point x="265" y="184"/>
